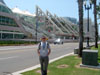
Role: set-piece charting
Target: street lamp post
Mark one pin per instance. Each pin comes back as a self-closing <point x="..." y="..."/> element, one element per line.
<point x="36" y="28"/>
<point x="88" y="7"/>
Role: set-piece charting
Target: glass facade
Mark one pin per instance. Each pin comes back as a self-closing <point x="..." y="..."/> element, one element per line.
<point x="5" y="21"/>
<point x="5" y="9"/>
<point x="19" y="36"/>
<point x="28" y="19"/>
<point x="74" y="27"/>
<point x="7" y="36"/>
<point x="55" y="21"/>
<point x="11" y="35"/>
<point x="10" y="22"/>
<point x="32" y="21"/>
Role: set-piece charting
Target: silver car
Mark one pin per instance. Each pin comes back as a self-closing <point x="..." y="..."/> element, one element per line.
<point x="58" y="41"/>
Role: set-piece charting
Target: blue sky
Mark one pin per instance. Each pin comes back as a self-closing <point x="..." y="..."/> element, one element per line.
<point x="63" y="8"/>
<point x="59" y="7"/>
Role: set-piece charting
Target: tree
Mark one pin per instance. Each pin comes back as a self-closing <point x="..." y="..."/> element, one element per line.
<point x="80" y="9"/>
<point x="98" y="12"/>
<point x="95" y="22"/>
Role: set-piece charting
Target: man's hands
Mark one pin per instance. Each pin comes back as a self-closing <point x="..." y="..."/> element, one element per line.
<point x="49" y="52"/>
<point x="38" y="52"/>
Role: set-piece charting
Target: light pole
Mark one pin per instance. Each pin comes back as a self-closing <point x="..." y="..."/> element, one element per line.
<point x="88" y="7"/>
<point x="36" y="28"/>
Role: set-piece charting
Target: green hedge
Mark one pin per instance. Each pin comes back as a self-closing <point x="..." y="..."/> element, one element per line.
<point x="3" y="43"/>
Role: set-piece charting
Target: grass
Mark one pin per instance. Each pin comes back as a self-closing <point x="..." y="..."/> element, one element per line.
<point x="93" y="48"/>
<point x="72" y="62"/>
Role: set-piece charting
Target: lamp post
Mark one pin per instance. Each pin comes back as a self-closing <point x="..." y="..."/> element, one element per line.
<point x="36" y="22"/>
<point x="88" y="7"/>
<point x="36" y="29"/>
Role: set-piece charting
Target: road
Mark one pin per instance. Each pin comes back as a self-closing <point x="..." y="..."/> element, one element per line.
<point x="16" y="58"/>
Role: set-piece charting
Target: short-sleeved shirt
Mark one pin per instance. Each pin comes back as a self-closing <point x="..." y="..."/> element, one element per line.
<point x="43" y="48"/>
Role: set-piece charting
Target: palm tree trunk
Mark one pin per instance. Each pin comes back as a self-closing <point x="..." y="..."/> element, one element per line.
<point x="96" y="26"/>
<point x="80" y="6"/>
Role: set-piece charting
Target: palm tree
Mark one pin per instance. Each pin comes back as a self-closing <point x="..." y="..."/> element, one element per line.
<point x="98" y="10"/>
<point x="80" y="6"/>
<point x="95" y="22"/>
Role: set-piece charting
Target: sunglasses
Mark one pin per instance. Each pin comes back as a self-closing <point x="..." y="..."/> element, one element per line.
<point x="43" y="38"/>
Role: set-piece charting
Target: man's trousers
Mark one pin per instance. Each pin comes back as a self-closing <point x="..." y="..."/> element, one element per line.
<point x="44" y="64"/>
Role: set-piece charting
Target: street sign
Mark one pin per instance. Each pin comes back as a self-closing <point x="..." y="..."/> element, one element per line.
<point x="88" y="34"/>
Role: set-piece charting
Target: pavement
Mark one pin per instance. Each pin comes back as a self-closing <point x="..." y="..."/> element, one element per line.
<point x="18" y="58"/>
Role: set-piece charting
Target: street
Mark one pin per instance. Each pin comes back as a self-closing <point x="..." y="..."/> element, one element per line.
<point x="16" y="58"/>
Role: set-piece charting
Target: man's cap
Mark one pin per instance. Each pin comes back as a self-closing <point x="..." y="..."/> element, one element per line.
<point x="44" y="37"/>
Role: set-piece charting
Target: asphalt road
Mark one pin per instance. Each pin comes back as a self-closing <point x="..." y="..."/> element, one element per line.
<point x="16" y="58"/>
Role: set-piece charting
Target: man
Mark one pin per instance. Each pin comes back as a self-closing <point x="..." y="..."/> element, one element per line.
<point x="43" y="52"/>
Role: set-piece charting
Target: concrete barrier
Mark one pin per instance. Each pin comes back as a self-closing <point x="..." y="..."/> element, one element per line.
<point x="76" y="50"/>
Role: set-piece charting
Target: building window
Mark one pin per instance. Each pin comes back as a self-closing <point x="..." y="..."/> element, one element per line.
<point x="7" y="21"/>
<point x="5" y="9"/>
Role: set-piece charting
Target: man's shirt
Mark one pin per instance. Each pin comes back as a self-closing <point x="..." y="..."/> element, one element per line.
<point x="43" y="48"/>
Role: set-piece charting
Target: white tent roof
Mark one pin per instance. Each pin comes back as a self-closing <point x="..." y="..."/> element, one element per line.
<point x="17" y="10"/>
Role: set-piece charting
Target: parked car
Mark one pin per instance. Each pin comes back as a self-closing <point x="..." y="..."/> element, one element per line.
<point x="58" y="41"/>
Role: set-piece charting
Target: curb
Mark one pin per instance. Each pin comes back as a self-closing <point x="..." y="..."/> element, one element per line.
<point x="37" y="66"/>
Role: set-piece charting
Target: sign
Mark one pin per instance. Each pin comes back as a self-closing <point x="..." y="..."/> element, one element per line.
<point x="87" y="34"/>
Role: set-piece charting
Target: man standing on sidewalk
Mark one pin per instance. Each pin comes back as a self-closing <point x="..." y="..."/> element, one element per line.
<point x="43" y="52"/>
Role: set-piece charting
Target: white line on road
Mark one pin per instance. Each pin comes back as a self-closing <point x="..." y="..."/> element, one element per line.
<point x="16" y="47"/>
<point x="8" y="58"/>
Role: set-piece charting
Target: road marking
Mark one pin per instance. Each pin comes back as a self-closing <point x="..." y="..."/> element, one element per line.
<point x="14" y="51"/>
<point x="16" y="48"/>
<point x="8" y="58"/>
<point x="37" y="66"/>
<point x="5" y="48"/>
<point x="26" y="49"/>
